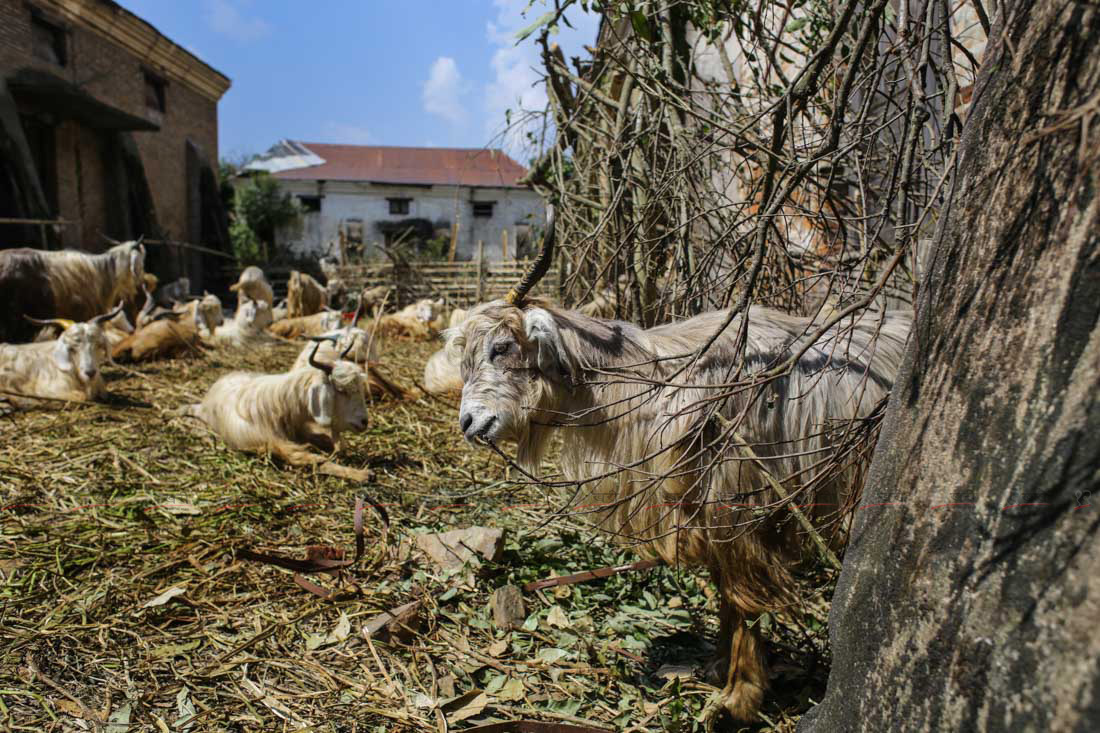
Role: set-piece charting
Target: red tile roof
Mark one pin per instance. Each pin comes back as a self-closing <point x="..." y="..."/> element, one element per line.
<point x="383" y="164"/>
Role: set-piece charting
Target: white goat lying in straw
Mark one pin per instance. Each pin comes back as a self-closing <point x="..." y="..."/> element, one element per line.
<point x="285" y="414"/>
<point x="64" y="369"/>
<point x="248" y="327"/>
<point x="670" y="464"/>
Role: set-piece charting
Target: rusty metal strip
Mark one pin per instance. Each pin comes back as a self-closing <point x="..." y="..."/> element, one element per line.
<point x="322" y="564"/>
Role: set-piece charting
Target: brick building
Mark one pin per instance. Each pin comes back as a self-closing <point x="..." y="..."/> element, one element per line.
<point x="112" y="128"/>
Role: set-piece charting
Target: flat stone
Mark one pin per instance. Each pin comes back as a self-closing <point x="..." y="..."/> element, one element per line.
<point x="507" y="606"/>
<point x="455" y="548"/>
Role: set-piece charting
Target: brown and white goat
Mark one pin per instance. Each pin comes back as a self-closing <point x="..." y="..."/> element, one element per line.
<point x="304" y="295"/>
<point x="287" y="414"/>
<point x="658" y="440"/>
<point x="71" y="285"/>
<point x="307" y="326"/>
<point x="253" y="285"/>
<point x="67" y="368"/>
<point x="205" y="313"/>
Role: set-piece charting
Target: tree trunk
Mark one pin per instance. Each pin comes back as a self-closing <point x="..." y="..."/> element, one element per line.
<point x="970" y="595"/>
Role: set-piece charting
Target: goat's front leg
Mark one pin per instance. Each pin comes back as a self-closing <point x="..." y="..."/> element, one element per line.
<point x="746" y="676"/>
<point x="295" y="454"/>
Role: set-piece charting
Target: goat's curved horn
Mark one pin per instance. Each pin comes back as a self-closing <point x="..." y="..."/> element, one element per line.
<point x="63" y="322"/>
<point x="139" y="240"/>
<point x="108" y="316"/>
<point x="110" y="240"/>
<point x="147" y="308"/>
<point x="350" y="346"/>
<point x="326" y="368"/>
<point x="517" y="294"/>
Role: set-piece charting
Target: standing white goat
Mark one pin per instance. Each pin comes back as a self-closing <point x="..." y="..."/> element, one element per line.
<point x="67" y="368"/>
<point x="286" y="414"/>
<point x="671" y="450"/>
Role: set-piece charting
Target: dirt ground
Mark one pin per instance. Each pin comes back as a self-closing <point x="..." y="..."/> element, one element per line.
<point x="126" y="607"/>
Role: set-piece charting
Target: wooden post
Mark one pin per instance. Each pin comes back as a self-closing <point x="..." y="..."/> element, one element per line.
<point x="480" y="271"/>
<point x="504" y="245"/>
<point x="454" y="237"/>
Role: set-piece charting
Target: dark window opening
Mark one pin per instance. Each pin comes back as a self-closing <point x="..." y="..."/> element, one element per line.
<point x="310" y="204"/>
<point x="399" y="207"/>
<point x="48" y="40"/>
<point x="154" y="93"/>
<point x="483" y="209"/>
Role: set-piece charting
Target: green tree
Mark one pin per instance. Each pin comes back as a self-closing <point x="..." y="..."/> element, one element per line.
<point x="260" y="208"/>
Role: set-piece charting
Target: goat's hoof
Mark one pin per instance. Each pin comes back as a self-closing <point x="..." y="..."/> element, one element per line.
<point x="742" y="700"/>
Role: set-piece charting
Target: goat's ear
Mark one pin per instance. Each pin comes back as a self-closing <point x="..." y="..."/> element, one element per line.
<point x="552" y="359"/>
<point x="322" y="400"/>
<point x="61" y="356"/>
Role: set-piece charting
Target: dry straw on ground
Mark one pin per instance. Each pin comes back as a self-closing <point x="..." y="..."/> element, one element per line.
<point x="125" y="608"/>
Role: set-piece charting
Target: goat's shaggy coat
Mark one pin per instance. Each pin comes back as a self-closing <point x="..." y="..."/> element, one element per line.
<point x="304" y="295"/>
<point x="287" y="413"/>
<point x="442" y="375"/>
<point x="64" y="369"/>
<point x="664" y="463"/>
<point x="68" y="284"/>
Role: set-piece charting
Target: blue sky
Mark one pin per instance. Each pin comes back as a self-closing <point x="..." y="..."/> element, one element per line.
<point x="383" y="72"/>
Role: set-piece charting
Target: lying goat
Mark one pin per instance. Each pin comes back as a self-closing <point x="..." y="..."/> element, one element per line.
<point x="420" y="321"/>
<point x="164" y="338"/>
<point x="248" y="327"/>
<point x="64" y="369"/>
<point x="308" y="326"/>
<point x="286" y="414"/>
<point x="69" y="285"/>
<point x="253" y="285"/>
<point x="442" y="375"/>
<point x="204" y="313"/>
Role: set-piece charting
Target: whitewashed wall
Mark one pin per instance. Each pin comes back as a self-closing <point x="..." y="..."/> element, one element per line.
<point x="316" y="235"/>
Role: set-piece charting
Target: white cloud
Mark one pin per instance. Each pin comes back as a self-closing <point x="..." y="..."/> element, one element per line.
<point x="443" y="91"/>
<point x="225" y="18"/>
<point x="516" y="69"/>
<point x="342" y="133"/>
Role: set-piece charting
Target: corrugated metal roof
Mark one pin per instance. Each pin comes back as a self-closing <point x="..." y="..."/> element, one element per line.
<point x="284" y="155"/>
<point x="417" y="166"/>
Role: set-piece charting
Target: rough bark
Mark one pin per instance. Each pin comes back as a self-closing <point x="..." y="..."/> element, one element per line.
<point x="973" y="603"/>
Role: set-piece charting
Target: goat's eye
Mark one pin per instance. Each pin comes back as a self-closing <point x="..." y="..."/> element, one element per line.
<point x="499" y="349"/>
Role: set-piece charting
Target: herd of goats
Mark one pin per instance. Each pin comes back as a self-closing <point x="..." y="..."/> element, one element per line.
<point x="675" y="436"/>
